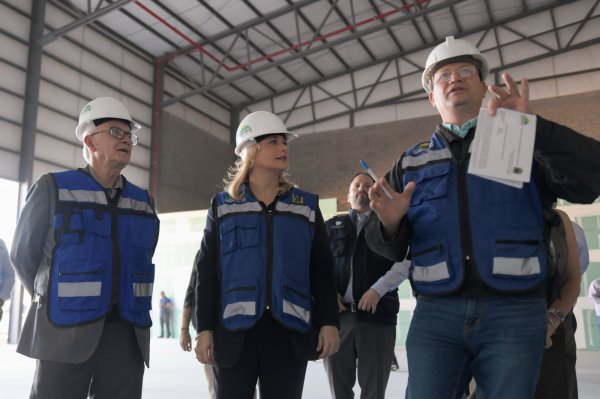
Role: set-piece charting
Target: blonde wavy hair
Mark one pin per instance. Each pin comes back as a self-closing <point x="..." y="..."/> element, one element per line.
<point x="239" y="173"/>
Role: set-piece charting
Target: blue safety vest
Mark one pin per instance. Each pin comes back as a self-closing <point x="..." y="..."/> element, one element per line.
<point x="101" y="243"/>
<point x="457" y="217"/>
<point x="265" y="259"/>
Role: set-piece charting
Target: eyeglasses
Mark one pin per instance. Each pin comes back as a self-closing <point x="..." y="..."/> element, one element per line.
<point x="119" y="134"/>
<point x="465" y="72"/>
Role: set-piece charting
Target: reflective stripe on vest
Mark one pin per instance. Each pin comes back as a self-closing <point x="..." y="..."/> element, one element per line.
<point x="135" y="205"/>
<point x="226" y="209"/>
<point x="143" y="289"/>
<point x="241" y="308"/>
<point x="79" y="289"/>
<point x="431" y="273"/>
<point x="98" y="197"/>
<point x="302" y="210"/>
<point x="516" y="266"/>
<point x="296" y="311"/>
<point x="428" y="157"/>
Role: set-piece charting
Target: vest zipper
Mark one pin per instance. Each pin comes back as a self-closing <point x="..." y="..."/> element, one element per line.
<point x="463" y="208"/>
<point x="116" y="253"/>
<point x="269" y="276"/>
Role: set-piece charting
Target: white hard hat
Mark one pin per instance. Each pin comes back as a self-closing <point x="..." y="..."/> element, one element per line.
<point x="258" y="124"/>
<point x="103" y="108"/>
<point x="450" y="49"/>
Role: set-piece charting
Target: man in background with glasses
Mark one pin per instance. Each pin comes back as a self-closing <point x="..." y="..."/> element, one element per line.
<point x="479" y="247"/>
<point x="83" y="249"/>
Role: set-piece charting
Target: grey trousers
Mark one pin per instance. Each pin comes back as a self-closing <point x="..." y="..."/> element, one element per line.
<point x="366" y="350"/>
<point x="114" y="371"/>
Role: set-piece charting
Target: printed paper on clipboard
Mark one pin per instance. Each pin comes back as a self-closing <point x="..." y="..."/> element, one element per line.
<point x="502" y="149"/>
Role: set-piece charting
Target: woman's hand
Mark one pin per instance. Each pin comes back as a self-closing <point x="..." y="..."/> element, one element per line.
<point x="205" y="347"/>
<point x="185" y="341"/>
<point x="329" y="341"/>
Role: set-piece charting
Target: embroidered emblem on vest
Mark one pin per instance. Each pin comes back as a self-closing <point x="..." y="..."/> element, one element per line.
<point x="297" y="199"/>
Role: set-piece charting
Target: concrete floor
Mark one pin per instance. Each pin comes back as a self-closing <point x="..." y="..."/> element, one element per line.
<point x="176" y="374"/>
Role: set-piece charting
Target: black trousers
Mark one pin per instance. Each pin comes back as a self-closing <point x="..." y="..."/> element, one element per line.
<point x="114" y="371"/>
<point x="267" y="356"/>
<point x="558" y="379"/>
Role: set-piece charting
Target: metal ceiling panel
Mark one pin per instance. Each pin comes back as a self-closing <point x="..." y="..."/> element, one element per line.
<point x="294" y="53"/>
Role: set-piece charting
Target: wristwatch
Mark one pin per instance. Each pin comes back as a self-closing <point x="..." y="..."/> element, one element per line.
<point x="558" y="314"/>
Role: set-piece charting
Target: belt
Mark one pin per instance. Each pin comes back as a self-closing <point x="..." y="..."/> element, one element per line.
<point x="350" y="307"/>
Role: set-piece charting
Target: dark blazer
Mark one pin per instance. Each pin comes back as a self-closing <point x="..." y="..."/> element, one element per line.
<point x="351" y="254"/>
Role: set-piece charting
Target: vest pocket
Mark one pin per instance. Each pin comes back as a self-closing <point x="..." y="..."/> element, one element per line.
<point x="142" y="284"/>
<point x="240" y="299"/>
<point x="430" y="262"/>
<point x="143" y="231"/>
<point x="431" y="182"/>
<point x="517" y="253"/>
<point x="68" y="226"/>
<point x="79" y="285"/>
<point x="295" y="301"/>
<point x="238" y="232"/>
<point x="337" y="241"/>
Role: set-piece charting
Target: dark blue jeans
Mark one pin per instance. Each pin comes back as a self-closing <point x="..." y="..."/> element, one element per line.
<point x="499" y="341"/>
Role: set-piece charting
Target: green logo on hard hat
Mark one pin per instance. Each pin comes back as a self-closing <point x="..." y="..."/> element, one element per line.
<point x="87" y="108"/>
<point x="245" y="129"/>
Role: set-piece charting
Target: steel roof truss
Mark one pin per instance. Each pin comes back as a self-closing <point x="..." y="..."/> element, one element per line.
<point x="383" y="70"/>
<point x="199" y="34"/>
<point x="316" y="49"/>
<point x="289" y="112"/>
<point x="343" y="18"/>
<point x="389" y="31"/>
<point x="311" y="26"/>
<point x="582" y="24"/>
<point x="57" y="33"/>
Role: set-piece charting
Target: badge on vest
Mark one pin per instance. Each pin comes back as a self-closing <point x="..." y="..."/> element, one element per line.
<point x="297" y="199"/>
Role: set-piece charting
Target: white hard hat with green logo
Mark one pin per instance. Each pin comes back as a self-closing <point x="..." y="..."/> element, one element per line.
<point x="258" y="124"/>
<point x="449" y="51"/>
<point x="103" y="108"/>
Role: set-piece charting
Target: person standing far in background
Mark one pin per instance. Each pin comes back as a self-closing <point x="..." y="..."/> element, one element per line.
<point x="368" y="311"/>
<point x="594" y="297"/>
<point x="265" y="295"/>
<point x="479" y="253"/>
<point x="7" y="276"/>
<point x="165" y="305"/>
<point x="83" y="250"/>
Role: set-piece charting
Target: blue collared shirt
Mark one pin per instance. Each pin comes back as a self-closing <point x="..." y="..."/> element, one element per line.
<point x="461" y="131"/>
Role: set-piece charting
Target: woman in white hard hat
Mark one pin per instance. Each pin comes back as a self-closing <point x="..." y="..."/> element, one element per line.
<point x="265" y="279"/>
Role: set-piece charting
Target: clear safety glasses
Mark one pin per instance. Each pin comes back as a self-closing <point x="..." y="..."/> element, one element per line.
<point x="119" y="134"/>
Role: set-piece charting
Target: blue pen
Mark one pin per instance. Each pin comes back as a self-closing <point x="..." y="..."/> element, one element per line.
<point x="374" y="176"/>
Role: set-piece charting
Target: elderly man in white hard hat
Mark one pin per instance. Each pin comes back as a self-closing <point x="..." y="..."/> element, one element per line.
<point x="479" y="263"/>
<point x="83" y="249"/>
